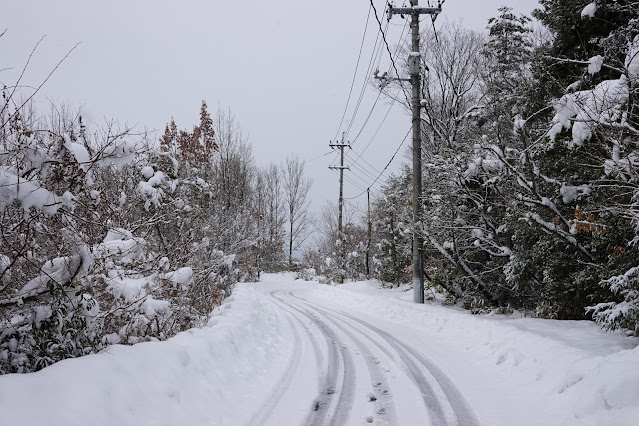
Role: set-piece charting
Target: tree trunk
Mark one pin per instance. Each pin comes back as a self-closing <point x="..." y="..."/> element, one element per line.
<point x="290" y="247"/>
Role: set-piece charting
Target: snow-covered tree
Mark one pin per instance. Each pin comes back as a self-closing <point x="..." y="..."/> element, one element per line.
<point x="392" y="240"/>
<point x="107" y="239"/>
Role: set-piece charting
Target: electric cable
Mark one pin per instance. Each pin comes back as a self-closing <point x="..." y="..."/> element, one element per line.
<point x="359" y="56"/>
<point x="377" y="49"/>
<point x="318" y="157"/>
<point x="385" y="168"/>
<point x="349" y="180"/>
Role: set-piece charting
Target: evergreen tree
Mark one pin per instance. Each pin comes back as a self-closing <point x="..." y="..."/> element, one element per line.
<point x="391" y="215"/>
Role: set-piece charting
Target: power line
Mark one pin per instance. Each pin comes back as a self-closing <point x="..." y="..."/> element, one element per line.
<point x="380" y="92"/>
<point x="318" y="157"/>
<point x="369" y="175"/>
<point x="384" y="37"/>
<point x="387" y="46"/>
<point x="368" y="117"/>
<point x="349" y="180"/>
<point x="401" y="38"/>
<point x="377" y="49"/>
<point x="375" y="169"/>
<point x="394" y="99"/>
<point x="355" y="207"/>
<point x="382" y="172"/>
<point x="361" y="47"/>
<point x="358" y="185"/>
<point x="376" y="132"/>
<point x="364" y="180"/>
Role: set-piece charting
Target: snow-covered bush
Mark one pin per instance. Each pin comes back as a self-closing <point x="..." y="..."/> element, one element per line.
<point x="105" y="238"/>
<point x="337" y="256"/>
<point x="306" y="274"/>
<point x="624" y="313"/>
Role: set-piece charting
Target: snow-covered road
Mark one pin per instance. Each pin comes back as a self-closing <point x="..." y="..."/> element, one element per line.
<point x="366" y="375"/>
<point x="286" y="352"/>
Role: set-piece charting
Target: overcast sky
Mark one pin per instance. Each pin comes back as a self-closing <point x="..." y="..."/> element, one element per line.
<point x="283" y="68"/>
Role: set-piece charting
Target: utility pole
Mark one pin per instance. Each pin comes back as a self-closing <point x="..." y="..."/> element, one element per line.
<point x="341" y="169"/>
<point x="368" y="243"/>
<point x="414" y="60"/>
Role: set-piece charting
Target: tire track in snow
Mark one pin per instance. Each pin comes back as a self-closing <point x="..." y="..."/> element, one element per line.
<point x="328" y="409"/>
<point x="431" y="400"/>
<point x="304" y="322"/>
<point x="453" y="400"/>
<point x="384" y="406"/>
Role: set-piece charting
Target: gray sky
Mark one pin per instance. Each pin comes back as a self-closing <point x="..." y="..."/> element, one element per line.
<point x="283" y="68"/>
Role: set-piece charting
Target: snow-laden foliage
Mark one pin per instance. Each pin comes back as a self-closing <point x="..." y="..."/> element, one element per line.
<point x="529" y="167"/>
<point x="105" y="238"/>
<point x="624" y="313"/>
<point x="338" y="256"/>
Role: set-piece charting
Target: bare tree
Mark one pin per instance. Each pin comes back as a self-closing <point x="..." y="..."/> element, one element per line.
<point x="296" y="187"/>
<point x="270" y="213"/>
<point x="452" y="75"/>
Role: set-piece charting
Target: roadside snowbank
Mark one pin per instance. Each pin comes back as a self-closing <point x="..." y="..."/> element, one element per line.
<point x="578" y="373"/>
<point x="201" y="376"/>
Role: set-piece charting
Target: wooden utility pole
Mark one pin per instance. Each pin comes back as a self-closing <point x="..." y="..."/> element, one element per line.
<point x="414" y="62"/>
<point x="368" y="242"/>
<point x="341" y="169"/>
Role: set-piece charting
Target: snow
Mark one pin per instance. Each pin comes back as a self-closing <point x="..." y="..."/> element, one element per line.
<point x="147" y="172"/>
<point x="79" y="152"/>
<point x="29" y="194"/>
<point x="594" y="64"/>
<point x="150" y="190"/>
<point x="588" y="108"/>
<point x="576" y="373"/>
<point x="585" y="110"/>
<point x="490" y="164"/>
<point x="181" y="276"/>
<point x="13" y="345"/>
<point x="589" y="10"/>
<point x="260" y="358"/>
<point x="60" y="270"/>
<point x="117" y="234"/>
<point x="117" y="154"/>
<point x="130" y="289"/>
<point x="127" y="250"/>
<point x="519" y="124"/>
<point x="572" y="193"/>
<point x="210" y="376"/>
<point x="5" y="269"/>
<point x="632" y="59"/>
